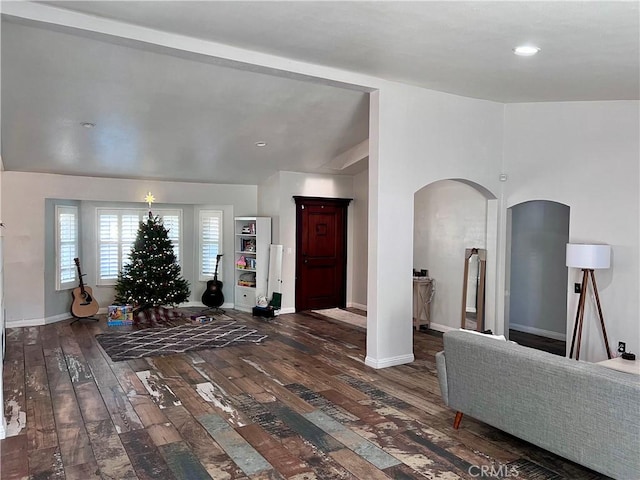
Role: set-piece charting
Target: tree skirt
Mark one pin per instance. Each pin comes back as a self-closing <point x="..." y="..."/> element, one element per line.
<point x="157" y="317"/>
<point x="169" y="341"/>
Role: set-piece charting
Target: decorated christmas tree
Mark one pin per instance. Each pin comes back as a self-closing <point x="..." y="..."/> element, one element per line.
<point x="152" y="276"/>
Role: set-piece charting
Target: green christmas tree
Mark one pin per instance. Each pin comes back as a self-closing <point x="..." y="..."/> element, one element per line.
<point x="152" y="276"/>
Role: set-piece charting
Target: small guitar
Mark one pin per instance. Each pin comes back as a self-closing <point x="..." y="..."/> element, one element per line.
<point x="212" y="296"/>
<point x="84" y="305"/>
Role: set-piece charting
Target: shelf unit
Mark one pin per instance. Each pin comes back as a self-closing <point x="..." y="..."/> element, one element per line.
<point x="251" y="260"/>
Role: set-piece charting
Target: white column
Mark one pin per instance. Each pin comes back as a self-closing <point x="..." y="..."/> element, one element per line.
<point x="389" y="297"/>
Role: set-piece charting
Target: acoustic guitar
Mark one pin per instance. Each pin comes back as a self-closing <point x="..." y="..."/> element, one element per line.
<point x="84" y="305"/>
<point x="212" y="296"/>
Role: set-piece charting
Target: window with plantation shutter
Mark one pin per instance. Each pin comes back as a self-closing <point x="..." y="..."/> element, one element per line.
<point x="172" y="224"/>
<point x="117" y="230"/>
<point x="66" y="246"/>
<point x="210" y="238"/>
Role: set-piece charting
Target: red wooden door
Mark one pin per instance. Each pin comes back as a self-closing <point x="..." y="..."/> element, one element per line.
<point x="321" y="252"/>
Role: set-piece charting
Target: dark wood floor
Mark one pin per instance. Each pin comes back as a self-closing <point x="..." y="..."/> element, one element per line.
<point x="300" y="406"/>
<point x="546" y="344"/>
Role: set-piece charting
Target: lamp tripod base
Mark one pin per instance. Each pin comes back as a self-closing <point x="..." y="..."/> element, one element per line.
<point x="587" y="273"/>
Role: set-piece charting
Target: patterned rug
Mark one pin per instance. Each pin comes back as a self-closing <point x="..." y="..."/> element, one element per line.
<point x="152" y="342"/>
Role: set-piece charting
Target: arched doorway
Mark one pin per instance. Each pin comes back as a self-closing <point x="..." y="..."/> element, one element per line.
<point x="536" y="309"/>
<point x="450" y="216"/>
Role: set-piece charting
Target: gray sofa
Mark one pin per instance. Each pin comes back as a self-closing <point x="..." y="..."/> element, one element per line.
<point x="584" y="412"/>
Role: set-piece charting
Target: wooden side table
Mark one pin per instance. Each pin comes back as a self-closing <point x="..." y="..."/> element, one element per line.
<point x="423" y="290"/>
<point x="618" y="363"/>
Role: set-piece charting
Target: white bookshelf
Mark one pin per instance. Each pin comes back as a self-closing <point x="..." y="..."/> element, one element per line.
<point x="252" y="240"/>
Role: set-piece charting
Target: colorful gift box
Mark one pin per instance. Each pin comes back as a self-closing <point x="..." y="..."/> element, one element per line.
<point x="120" y="315"/>
<point x="201" y="318"/>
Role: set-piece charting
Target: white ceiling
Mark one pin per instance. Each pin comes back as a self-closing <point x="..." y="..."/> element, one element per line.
<point x="160" y="116"/>
<point x="590" y="50"/>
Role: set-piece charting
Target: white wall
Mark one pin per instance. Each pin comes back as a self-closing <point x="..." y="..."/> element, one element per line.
<point x="357" y="276"/>
<point x="450" y="216"/>
<point x="585" y="155"/>
<point x="417" y="137"/>
<point x="289" y="184"/>
<point x="24" y="197"/>
<point x="269" y="204"/>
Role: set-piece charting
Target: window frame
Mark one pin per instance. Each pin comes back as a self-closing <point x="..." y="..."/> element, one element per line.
<point x="142" y="214"/>
<point x="202" y="213"/>
<point x="72" y="283"/>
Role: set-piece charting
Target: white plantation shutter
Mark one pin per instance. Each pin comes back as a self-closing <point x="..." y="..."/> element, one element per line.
<point x="117" y="233"/>
<point x="109" y="261"/>
<point x="109" y="234"/>
<point x="129" y="229"/>
<point x="210" y="242"/>
<point x="67" y="265"/>
<point x="130" y="225"/>
<point x="172" y="224"/>
<point x="66" y="246"/>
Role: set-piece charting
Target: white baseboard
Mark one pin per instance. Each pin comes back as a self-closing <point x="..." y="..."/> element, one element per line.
<point x="359" y="306"/>
<point x="3" y="427"/>
<point x="36" y="322"/>
<point x="538" y="331"/>
<point x="389" y="362"/>
<point x="442" y="328"/>
<point x="57" y="318"/>
<point x="287" y="310"/>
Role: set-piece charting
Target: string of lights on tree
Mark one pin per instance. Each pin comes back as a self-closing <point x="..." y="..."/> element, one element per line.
<point x="152" y="277"/>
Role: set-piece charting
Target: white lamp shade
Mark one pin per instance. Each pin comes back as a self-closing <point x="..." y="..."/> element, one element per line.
<point x="580" y="255"/>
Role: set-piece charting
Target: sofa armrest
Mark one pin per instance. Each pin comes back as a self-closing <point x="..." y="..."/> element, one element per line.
<point x="442" y="376"/>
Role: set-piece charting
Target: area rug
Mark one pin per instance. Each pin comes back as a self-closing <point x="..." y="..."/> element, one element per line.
<point x="344" y="316"/>
<point x="169" y="341"/>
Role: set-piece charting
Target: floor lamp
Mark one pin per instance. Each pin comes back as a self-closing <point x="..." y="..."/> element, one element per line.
<point x="588" y="258"/>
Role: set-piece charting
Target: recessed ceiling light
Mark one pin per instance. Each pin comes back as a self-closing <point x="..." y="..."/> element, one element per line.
<point x="261" y="144"/>
<point x="88" y="124"/>
<point x="526" y="50"/>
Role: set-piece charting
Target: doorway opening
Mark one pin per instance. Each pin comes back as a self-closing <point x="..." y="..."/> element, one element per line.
<point x="537" y="303"/>
<point x="451" y="216"/>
